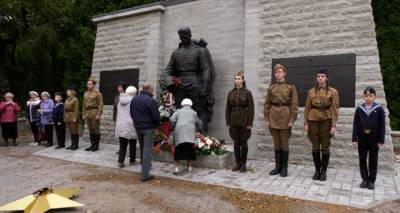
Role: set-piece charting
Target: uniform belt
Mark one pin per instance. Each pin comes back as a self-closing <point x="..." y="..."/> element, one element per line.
<point x="188" y="74"/>
<point x="321" y="108"/>
<point x="280" y="104"/>
<point x="368" y="131"/>
<point x="238" y="108"/>
<point x="92" y="107"/>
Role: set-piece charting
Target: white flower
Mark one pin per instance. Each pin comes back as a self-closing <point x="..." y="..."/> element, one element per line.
<point x="200" y="145"/>
<point x="209" y="141"/>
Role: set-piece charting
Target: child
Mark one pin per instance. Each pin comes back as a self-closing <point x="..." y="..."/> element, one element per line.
<point x="369" y="133"/>
<point x="58" y="115"/>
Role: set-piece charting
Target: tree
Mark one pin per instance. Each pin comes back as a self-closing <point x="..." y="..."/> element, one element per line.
<point x="387" y="20"/>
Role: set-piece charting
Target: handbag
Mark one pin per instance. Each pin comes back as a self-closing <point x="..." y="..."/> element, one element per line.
<point x="41" y="134"/>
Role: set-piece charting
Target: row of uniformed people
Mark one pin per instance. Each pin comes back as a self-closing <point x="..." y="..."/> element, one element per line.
<point x="321" y="113"/>
<point x="92" y="109"/>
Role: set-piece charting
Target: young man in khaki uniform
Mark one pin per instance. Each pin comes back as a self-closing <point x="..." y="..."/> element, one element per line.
<point x="92" y="110"/>
<point x="239" y="117"/>
<point x="280" y="111"/>
<point x="72" y="113"/>
<point x="321" y="113"/>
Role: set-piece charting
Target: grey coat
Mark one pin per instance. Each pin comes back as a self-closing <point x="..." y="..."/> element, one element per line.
<point x="185" y="121"/>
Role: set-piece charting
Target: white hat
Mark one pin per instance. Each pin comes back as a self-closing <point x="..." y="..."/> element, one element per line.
<point x="187" y="102"/>
<point x="45" y="94"/>
<point x="131" y="90"/>
<point x="9" y="94"/>
<point x="33" y="93"/>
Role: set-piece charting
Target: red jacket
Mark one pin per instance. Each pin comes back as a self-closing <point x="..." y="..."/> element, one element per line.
<point x="8" y="112"/>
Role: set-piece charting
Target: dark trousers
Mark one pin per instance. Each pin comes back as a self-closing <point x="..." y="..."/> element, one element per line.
<point x="145" y="137"/>
<point x="240" y="135"/>
<point x="368" y="148"/>
<point x="281" y="138"/>
<point x="35" y="130"/>
<point x="319" y="134"/>
<point x="123" y="145"/>
<point x="60" y="133"/>
<point x="49" y="133"/>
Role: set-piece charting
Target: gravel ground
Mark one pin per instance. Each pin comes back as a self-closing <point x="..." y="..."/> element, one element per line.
<point x="113" y="190"/>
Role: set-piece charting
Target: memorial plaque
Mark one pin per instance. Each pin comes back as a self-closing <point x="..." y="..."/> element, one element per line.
<point x="110" y="79"/>
<point x="301" y="71"/>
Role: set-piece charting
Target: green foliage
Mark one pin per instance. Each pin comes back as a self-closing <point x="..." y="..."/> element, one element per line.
<point x="387" y="20"/>
<point x="48" y="44"/>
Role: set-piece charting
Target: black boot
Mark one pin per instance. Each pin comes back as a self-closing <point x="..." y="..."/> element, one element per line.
<point x="317" y="163"/>
<point x="243" y="159"/>
<point x="76" y="142"/>
<point x="237" y="158"/>
<point x="72" y="142"/>
<point x="325" y="163"/>
<point x="14" y="143"/>
<point x="285" y="158"/>
<point x="92" y="139"/>
<point x="96" y="142"/>
<point x="278" y="164"/>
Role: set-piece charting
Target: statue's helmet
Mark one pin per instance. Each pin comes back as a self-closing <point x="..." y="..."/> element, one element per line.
<point x="185" y="31"/>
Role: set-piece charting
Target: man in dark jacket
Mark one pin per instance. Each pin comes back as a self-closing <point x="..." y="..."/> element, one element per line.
<point x="369" y="134"/>
<point x="146" y="117"/>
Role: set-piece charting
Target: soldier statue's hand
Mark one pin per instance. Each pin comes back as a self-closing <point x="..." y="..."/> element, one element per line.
<point x="306" y="127"/>
<point x="97" y="117"/>
<point x="354" y="143"/>
<point x="268" y="124"/>
<point x="290" y="125"/>
<point x="380" y="145"/>
<point x="248" y="127"/>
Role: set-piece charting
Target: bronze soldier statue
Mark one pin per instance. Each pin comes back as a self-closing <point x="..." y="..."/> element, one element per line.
<point x="190" y="74"/>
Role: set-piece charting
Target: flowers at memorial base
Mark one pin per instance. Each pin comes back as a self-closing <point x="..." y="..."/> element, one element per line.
<point x="204" y="145"/>
<point x="166" y="105"/>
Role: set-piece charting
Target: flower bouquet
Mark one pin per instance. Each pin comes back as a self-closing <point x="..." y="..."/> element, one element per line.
<point x="209" y="146"/>
<point x="162" y="134"/>
<point x="204" y="144"/>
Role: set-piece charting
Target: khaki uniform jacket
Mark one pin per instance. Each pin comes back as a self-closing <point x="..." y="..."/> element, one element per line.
<point x="239" y="108"/>
<point x="281" y="105"/>
<point x="92" y="104"/>
<point x="322" y="105"/>
<point x="71" y="110"/>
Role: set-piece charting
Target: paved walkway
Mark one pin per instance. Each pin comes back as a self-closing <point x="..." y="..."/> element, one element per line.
<point x="340" y="188"/>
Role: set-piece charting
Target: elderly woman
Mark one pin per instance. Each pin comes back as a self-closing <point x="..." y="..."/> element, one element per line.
<point x="32" y="114"/>
<point x="8" y="118"/>
<point x="185" y="123"/>
<point x="124" y="129"/>
<point x="46" y="116"/>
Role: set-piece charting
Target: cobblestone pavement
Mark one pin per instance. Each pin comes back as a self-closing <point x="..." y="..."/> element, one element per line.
<point x="341" y="187"/>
